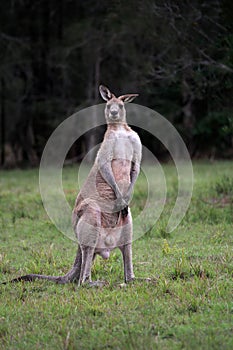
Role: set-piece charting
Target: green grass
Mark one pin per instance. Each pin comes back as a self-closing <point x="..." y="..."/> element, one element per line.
<point x="187" y="305"/>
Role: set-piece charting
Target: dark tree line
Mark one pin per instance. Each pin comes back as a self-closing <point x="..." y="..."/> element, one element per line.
<point x="54" y="54"/>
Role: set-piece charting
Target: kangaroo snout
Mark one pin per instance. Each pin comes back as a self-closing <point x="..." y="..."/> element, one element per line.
<point x="114" y="112"/>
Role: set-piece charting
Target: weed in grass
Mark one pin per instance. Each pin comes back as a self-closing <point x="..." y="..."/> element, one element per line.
<point x="166" y="248"/>
<point x="180" y="269"/>
<point x="182" y="266"/>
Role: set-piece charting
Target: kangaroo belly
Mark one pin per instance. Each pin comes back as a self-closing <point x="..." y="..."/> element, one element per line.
<point x="121" y="170"/>
<point x="97" y="190"/>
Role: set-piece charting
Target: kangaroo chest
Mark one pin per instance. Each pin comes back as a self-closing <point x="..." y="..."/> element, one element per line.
<point x="122" y="154"/>
<point x="122" y="148"/>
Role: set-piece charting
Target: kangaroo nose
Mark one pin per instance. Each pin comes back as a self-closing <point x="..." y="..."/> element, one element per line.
<point x="114" y="112"/>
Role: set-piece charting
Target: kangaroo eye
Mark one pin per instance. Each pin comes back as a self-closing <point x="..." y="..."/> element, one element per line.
<point x="120" y="106"/>
<point x="108" y="106"/>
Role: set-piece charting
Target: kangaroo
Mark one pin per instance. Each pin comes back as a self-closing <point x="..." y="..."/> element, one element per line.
<point x="101" y="216"/>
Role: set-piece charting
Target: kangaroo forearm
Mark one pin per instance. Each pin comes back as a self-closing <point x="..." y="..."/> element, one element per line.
<point x="134" y="175"/>
<point x="107" y="174"/>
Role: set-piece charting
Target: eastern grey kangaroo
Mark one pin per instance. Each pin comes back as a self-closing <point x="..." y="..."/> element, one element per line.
<point x="101" y="217"/>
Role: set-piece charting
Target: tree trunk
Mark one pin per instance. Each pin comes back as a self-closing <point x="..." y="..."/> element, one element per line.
<point x="187" y="109"/>
<point x="92" y="139"/>
<point x="3" y="118"/>
<point x="60" y="20"/>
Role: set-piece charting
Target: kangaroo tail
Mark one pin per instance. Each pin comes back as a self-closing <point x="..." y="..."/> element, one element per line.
<point x="33" y="277"/>
<point x="71" y="276"/>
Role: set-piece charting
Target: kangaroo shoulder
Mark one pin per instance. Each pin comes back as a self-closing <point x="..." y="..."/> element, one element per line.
<point x="134" y="138"/>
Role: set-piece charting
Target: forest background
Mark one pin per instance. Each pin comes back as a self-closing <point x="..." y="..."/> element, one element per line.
<point x="178" y="55"/>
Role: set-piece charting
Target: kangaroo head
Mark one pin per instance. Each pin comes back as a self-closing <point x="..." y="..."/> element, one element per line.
<point x="115" y="109"/>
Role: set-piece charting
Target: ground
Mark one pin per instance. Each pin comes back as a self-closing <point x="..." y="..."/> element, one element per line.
<point x="186" y="305"/>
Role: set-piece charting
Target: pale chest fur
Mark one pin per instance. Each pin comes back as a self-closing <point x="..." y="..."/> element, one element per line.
<point x="119" y="144"/>
<point x="123" y="145"/>
<point x="120" y="147"/>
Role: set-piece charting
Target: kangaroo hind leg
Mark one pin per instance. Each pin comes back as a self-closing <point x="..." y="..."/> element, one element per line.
<point x="87" y="231"/>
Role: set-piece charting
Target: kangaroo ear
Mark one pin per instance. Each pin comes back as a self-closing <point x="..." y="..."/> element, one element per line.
<point x="128" y="98"/>
<point x="105" y="93"/>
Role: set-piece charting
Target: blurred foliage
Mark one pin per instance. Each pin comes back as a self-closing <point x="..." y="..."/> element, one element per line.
<point x="177" y="55"/>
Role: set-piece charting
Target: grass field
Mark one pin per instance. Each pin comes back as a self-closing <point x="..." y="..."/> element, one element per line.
<point x="187" y="304"/>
